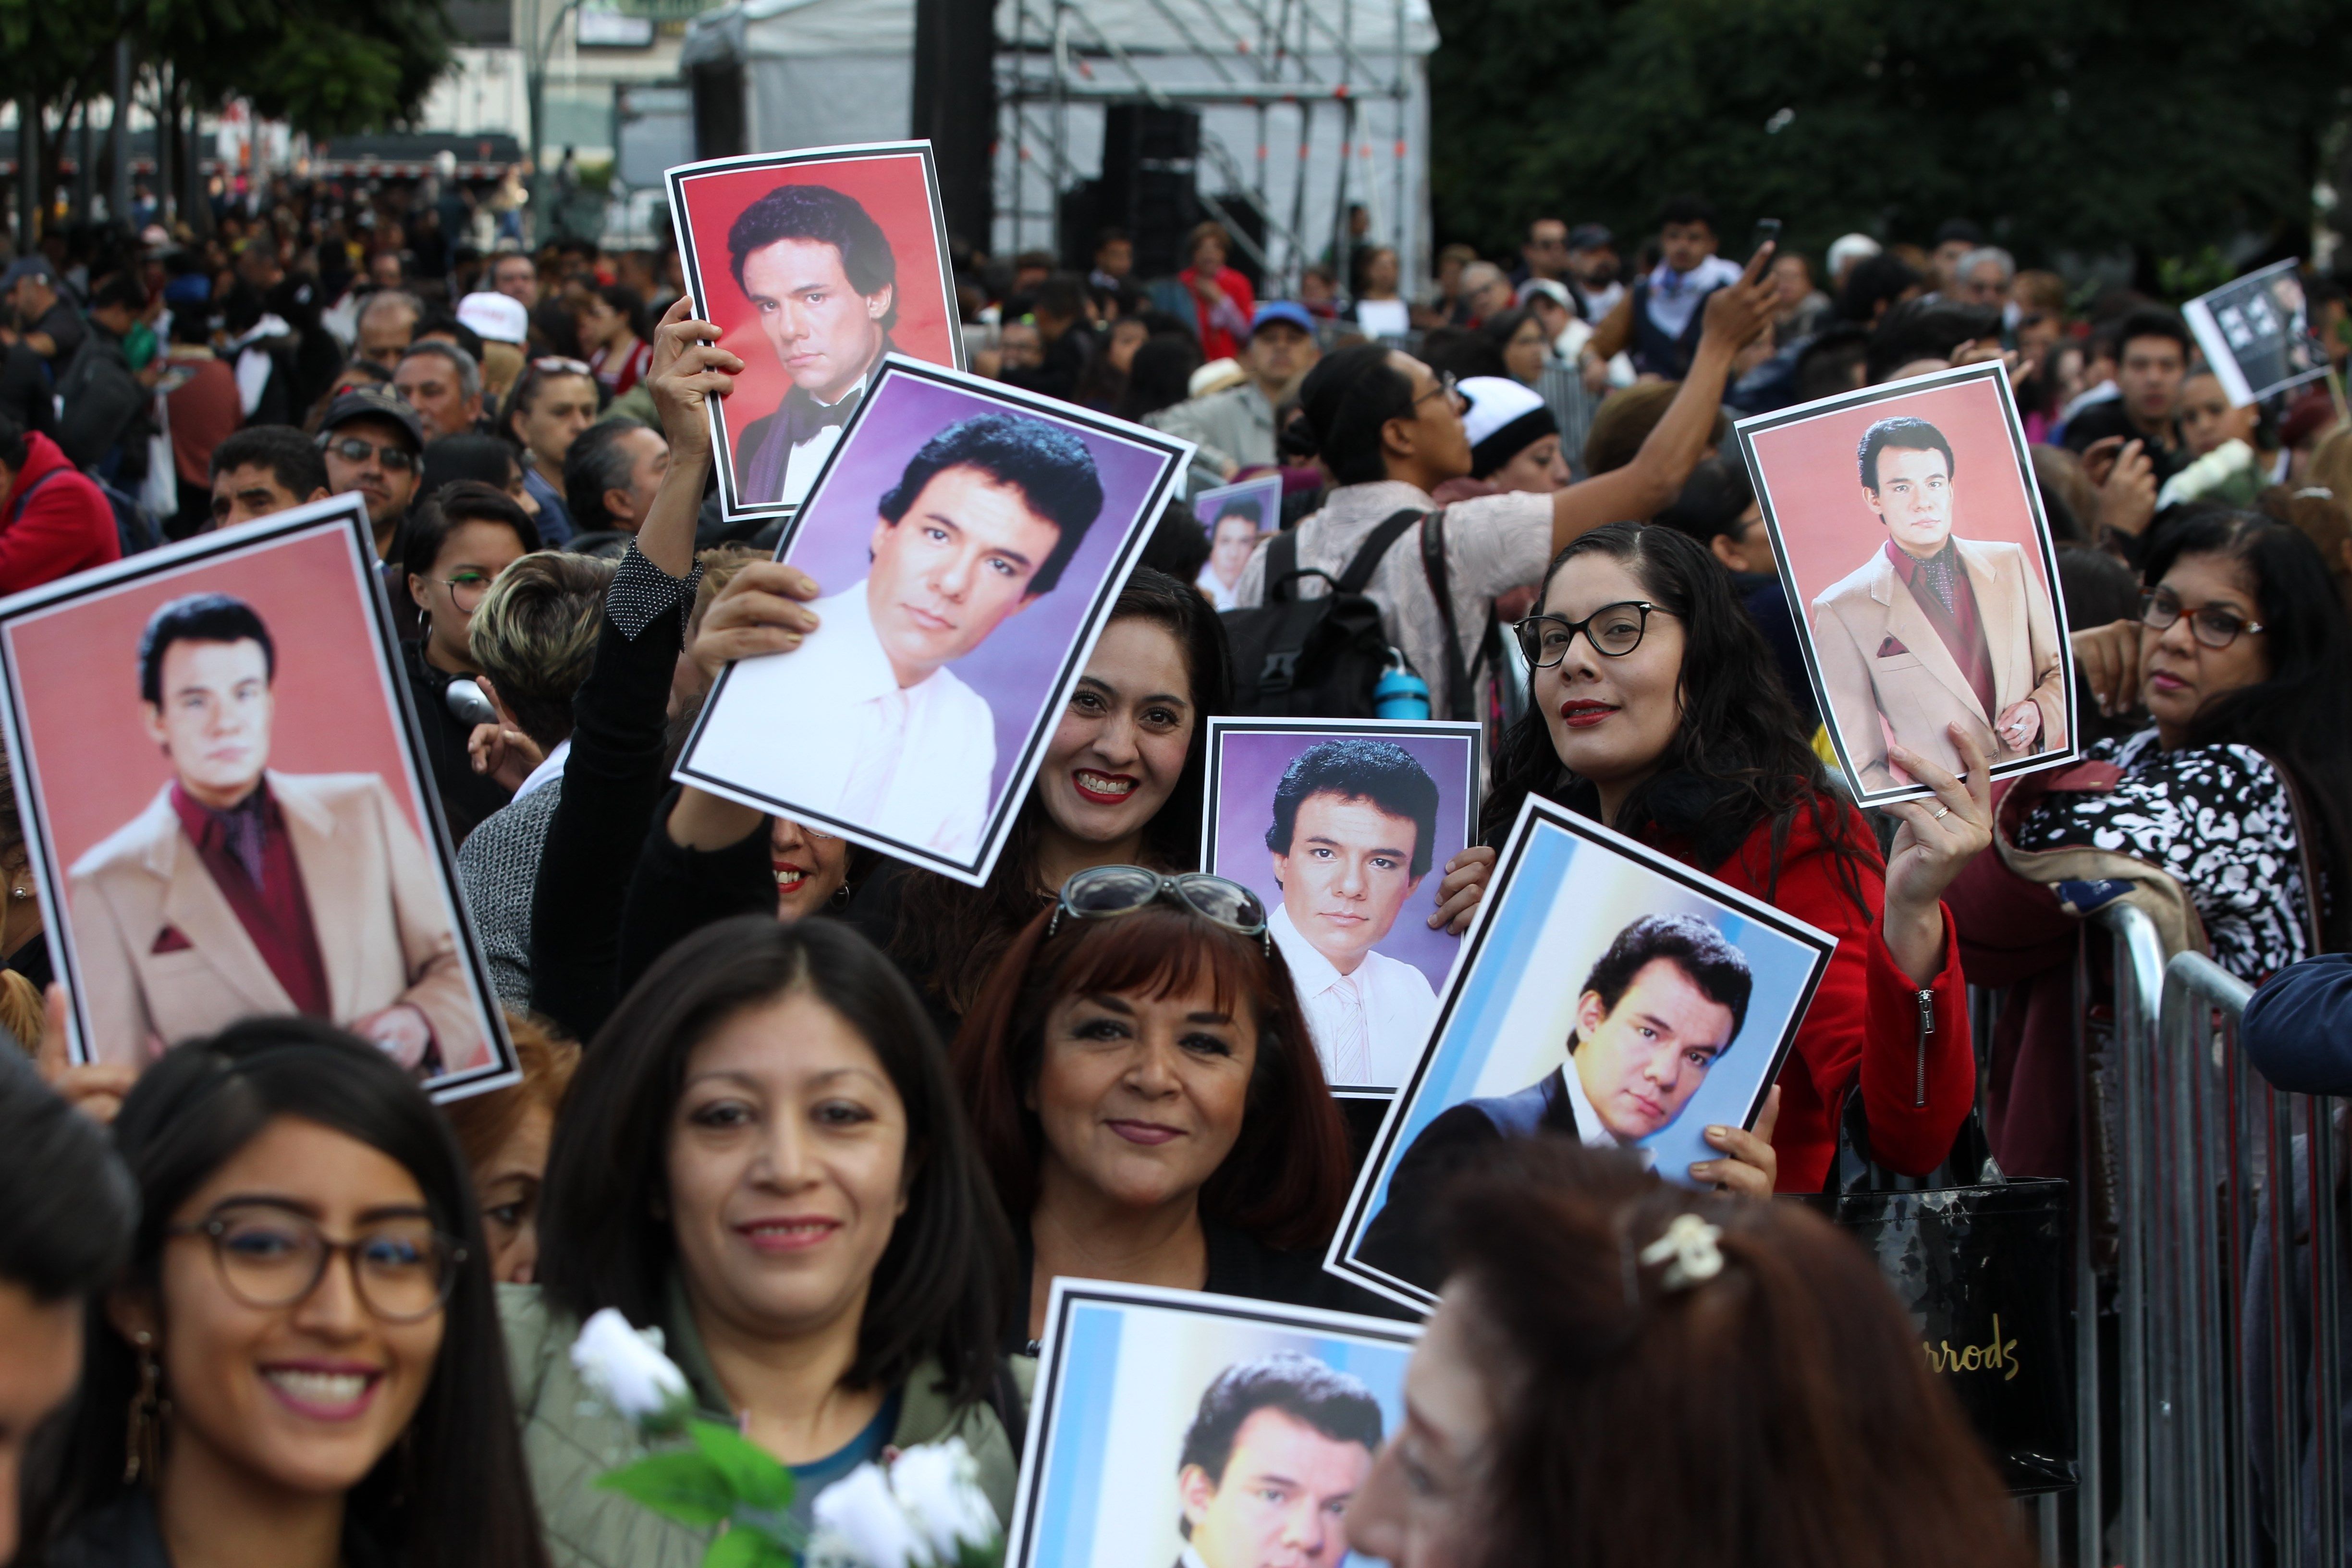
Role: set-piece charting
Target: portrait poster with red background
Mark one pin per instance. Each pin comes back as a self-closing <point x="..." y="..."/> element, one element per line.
<point x="897" y="183"/>
<point x="86" y="762"/>
<point x="1805" y="463"/>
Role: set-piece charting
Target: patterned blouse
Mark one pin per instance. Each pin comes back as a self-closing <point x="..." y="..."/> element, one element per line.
<point x="2219" y="819"/>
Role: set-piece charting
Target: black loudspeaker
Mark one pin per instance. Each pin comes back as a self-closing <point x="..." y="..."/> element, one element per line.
<point x="1147" y="187"/>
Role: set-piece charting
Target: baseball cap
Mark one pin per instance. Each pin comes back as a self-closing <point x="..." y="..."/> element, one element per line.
<point x="1590" y="236"/>
<point x="1551" y="290"/>
<point x="27" y="267"/>
<point x="495" y="318"/>
<point x="369" y="403"/>
<point x="1290" y="311"/>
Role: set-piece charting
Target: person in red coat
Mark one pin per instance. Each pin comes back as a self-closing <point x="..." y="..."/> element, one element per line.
<point x="1223" y="301"/>
<point x="54" y="520"/>
<point x="1657" y="709"/>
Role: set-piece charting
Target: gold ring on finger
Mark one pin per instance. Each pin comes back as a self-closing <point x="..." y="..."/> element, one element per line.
<point x="1941" y="811"/>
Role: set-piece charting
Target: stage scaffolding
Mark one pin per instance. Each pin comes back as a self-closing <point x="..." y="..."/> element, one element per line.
<point x="1307" y="107"/>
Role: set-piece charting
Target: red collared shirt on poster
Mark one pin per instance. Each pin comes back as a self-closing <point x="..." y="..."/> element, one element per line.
<point x="277" y="913"/>
<point x="1961" y="626"/>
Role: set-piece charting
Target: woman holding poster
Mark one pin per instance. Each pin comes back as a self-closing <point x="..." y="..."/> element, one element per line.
<point x="1655" y="709"/>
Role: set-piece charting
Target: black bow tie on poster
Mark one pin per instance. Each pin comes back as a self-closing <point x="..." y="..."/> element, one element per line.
<point x="1980" y="1264"/>
<point x="805" y="416"/>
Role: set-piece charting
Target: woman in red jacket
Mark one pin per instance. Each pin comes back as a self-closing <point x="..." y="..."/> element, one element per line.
<point x="1657" y="709"/>
<point x="1222" y="303"/>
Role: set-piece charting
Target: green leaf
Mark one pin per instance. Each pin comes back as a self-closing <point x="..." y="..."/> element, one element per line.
<point x="755" y="1475"/>
<point x="684" y="1487"/>
<point x="746" y="1549"/>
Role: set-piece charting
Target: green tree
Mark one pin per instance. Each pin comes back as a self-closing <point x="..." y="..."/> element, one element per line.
<point x="2086" y="125"/>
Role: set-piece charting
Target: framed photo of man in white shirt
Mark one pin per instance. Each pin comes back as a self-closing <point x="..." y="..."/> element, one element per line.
<point x="1234" y="518"/>
<point x="1607" y="993"/>
<point x="1344" y="830"/>
<point x="968" y="540"/>
<point x="813" y="264"/>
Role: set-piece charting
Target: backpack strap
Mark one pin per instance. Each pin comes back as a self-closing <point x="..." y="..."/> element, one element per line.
<point x="1368" y="559"/>
<point x="1433" y="567"/>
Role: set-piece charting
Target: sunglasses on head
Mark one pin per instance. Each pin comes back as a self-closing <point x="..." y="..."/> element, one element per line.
<point x="1105" y="892"/>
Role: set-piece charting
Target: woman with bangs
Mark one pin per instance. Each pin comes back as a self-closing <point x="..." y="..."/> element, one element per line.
<point x="1144" y="1096"/>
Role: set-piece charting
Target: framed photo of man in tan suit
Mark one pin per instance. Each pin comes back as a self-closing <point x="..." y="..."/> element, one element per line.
<point x="217" y="774"/>
<point x="1914" y="549"/>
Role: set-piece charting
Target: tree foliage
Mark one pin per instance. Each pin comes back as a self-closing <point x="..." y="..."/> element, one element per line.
<point x="2083" y="125"/>
<point x="328" y="67"/>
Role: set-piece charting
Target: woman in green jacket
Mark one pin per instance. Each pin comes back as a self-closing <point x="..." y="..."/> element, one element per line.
<point x="763" y="1156"/>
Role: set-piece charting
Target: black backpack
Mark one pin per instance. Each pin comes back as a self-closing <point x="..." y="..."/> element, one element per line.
<point x="1319" y="659"/>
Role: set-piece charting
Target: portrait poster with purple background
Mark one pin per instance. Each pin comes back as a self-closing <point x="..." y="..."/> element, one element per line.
<point x="767" y="719"/>
<point x="1247" y="760"/>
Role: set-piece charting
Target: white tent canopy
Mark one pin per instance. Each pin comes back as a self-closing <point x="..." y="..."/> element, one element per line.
<point x="819" y="72"/>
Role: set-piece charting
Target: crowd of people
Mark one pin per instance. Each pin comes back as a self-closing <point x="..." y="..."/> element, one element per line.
<point x="834" y="1124"/>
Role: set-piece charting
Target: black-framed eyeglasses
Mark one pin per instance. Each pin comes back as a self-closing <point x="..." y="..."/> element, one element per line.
<point x="1446" y="387"/>
<point x="1613" y="630"/>
<point x="2215" y="626"/>
<point x="467" y="589"/>
<point x="351" y="449"/>
<point x="1105" y="892"/>
<point x="270" y="1256"/>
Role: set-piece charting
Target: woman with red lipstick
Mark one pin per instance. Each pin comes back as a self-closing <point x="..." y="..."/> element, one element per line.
<point x="762" y="1155"/>
<point x="301" y="1365"/>
<point x="1657" y="709"/>
<point x="1145" y="1093"/>
<point x="2238" y="659"/>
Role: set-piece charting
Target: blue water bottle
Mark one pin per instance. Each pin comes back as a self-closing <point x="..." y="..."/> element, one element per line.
<point x="1400" y="694"/>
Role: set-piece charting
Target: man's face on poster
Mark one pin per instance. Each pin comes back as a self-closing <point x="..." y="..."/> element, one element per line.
<point x="1913" y="499"/>
<point x="1279" y="1502"/>
<point x="1229" y="552"/>
<point x="954" y="569"/>
<point x="1641" y="1061"/>
<point x="214" y="723"/>
<point x="1349" y="872"/>
<point x="825" y="334"/>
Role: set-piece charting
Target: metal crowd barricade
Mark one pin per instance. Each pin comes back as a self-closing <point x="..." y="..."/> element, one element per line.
<point x="2227" y="1396"/>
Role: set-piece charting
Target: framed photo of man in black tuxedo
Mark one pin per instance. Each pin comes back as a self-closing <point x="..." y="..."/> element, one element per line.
<point x="1607" y="993"/>
<point x="814" y="264"/>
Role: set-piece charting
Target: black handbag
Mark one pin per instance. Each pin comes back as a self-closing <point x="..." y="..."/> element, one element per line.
<point x="1980" y="1263"/>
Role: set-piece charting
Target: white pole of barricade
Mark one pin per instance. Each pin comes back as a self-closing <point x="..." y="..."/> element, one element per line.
<point x="2138" y="989"/>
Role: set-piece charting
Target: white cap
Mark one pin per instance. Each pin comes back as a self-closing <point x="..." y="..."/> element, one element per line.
<point x="1215" y="376"/>
<point x="1495" y="403"/>
<point x="1847" y="249"/>
<point x="495" y="318"/>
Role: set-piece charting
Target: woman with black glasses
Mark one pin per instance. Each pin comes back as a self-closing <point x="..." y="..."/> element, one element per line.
<point x="2240" y="658"/>
<point x="2218" y="817"/>
<point x="1657" y="709"/>
<point x="302" y="1365"/>
<point x="1146" y="1097"/>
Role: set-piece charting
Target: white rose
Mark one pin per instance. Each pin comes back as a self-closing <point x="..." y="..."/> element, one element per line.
<point x="860" y="1510"/>
<point x="627" y="1369"/>
<point x="938" y="1485"/>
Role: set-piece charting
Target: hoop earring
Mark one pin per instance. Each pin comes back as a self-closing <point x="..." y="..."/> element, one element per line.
<point x="840" y="900"/>
<point x="142" y="1437"/>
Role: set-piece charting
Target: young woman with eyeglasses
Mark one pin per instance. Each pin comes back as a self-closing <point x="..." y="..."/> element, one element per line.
<point x="455" y="545"/>
<point x="1147" y="1101"/>
<point x="302" y="1363"/>
<point x="1657" y="709"/>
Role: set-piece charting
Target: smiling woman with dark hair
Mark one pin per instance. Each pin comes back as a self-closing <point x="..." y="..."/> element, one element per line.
<point x="1148" y="1101"/>
<point x="762" y="1155"/>
<point x="302" y="1363"/>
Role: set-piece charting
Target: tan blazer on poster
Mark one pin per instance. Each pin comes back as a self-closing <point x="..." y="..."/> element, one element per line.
<point x="383" y="926"/>
<point x="1922" y="689"/>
